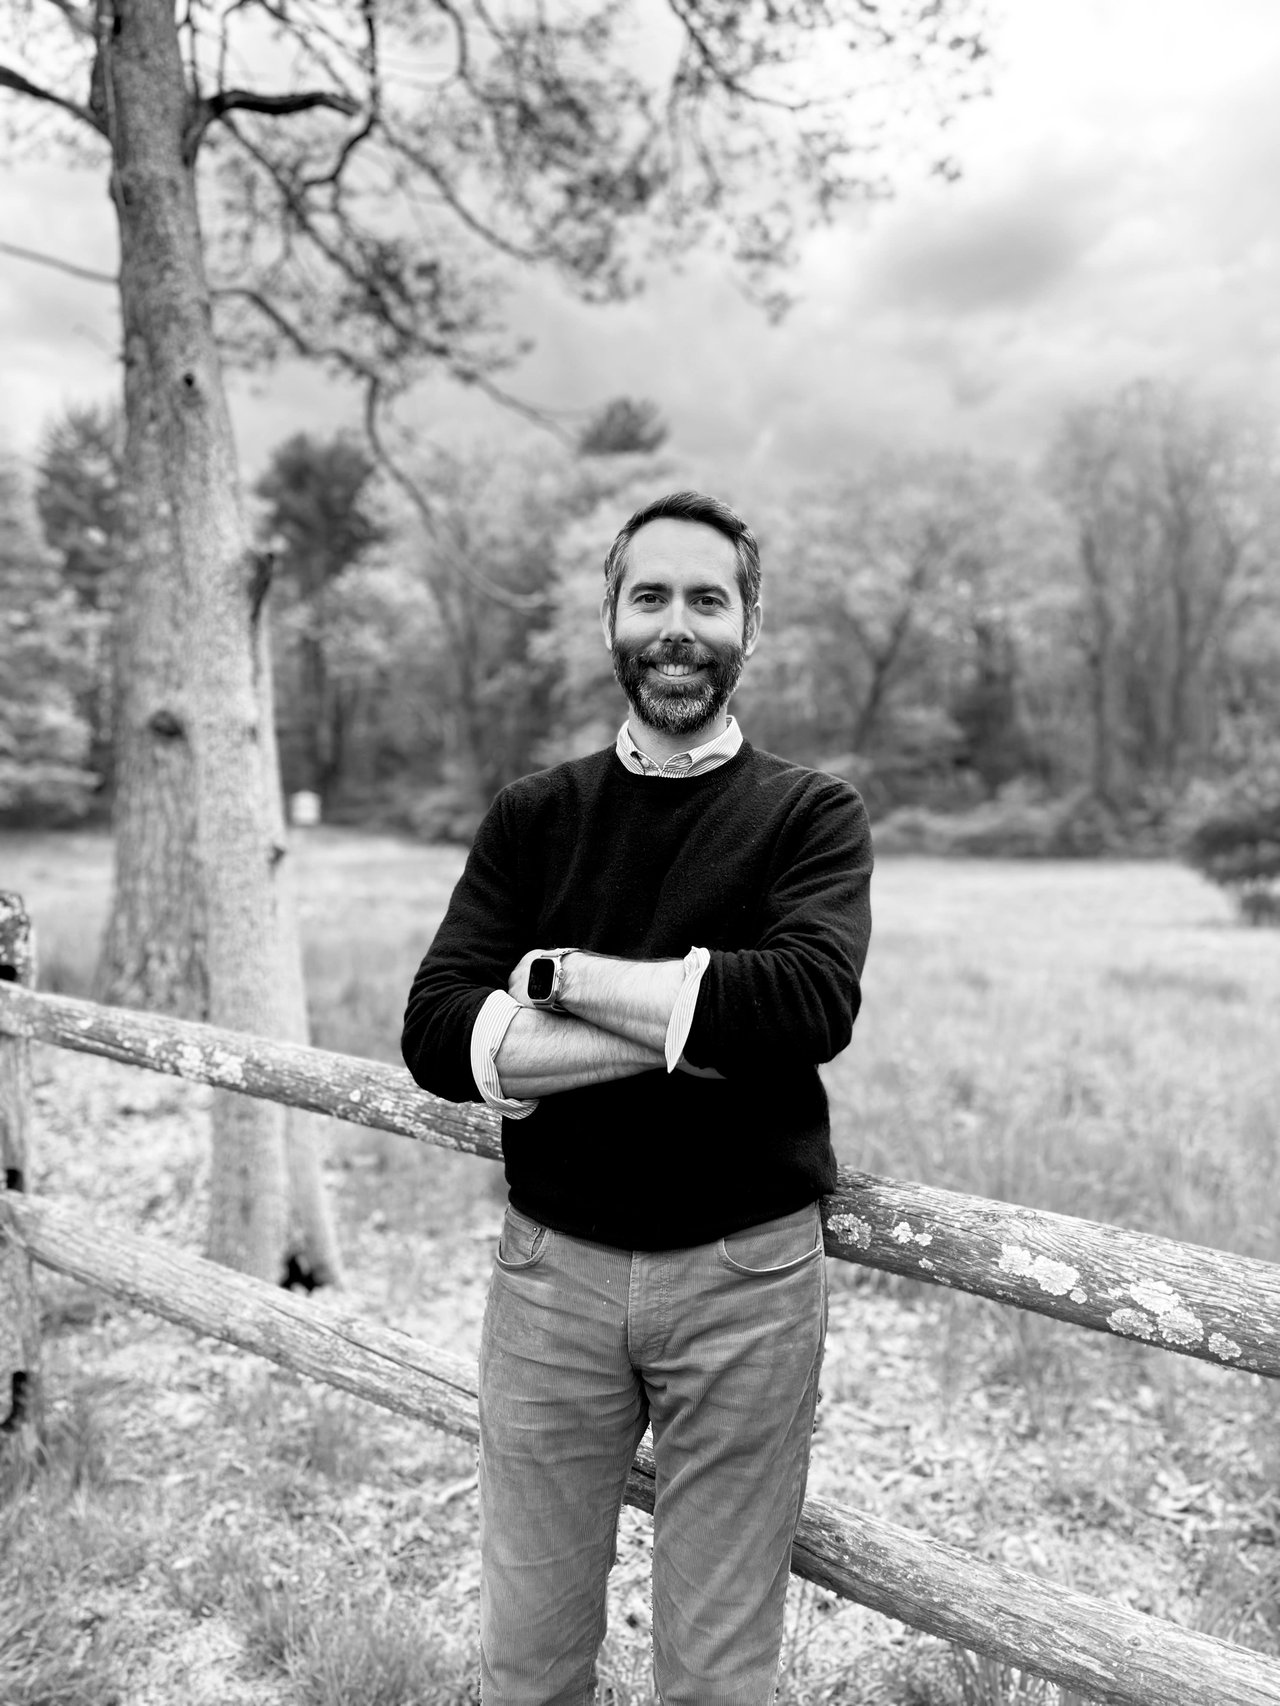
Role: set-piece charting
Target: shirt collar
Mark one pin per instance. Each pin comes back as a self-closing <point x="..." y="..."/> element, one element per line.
<point x="695" y="762"/>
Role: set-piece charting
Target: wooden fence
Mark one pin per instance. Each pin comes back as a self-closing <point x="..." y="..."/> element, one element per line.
<point x="1197" y="1302"/>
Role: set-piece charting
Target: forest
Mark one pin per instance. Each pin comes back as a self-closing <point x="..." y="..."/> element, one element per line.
<point x="1067" y="658"/>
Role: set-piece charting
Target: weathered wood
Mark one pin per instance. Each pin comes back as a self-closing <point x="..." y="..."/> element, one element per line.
<point x="316" y="1339"/>
<point x="1094" y="1647"/>
<point x="366" y="1092"/>
<point x="1103" y="1650"/>
<point x="1209" y="1304"/>
<point x="21" y="1409"/>
<point x="1205" y="1303"/>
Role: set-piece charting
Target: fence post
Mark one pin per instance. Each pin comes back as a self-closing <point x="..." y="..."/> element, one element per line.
<point x="21" y="1407"/>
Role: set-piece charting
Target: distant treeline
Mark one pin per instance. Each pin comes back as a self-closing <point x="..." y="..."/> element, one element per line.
<point x="1058" y="659"/>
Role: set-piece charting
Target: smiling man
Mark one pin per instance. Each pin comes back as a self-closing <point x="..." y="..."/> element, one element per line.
<point x="649" y="954"/>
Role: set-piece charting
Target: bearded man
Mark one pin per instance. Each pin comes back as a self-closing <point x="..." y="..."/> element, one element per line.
<point x="647" y="957"/>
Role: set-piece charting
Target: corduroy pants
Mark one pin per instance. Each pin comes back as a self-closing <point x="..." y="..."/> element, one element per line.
<point x="719" y="1348"/>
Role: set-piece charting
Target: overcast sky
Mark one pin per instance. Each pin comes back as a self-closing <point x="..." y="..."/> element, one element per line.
<point x="1119" y="215"/>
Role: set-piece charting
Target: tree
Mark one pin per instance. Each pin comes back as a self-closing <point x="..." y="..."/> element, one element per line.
<point x="45" y="662"/>
<point x="1170" y="503"/>
<point x="77" y="496"/>
<point x="624" y="428"/>
<point x="895" y="649"/>
<point x="317" y="523"/>
<point x="354" y="196"/>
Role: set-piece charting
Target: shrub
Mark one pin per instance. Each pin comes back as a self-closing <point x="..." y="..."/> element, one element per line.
<point x="1019" y="823"/>
<point x="1233" y="838"/>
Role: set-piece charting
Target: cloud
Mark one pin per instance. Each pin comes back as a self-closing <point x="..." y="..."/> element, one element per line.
<point x="970" y="251"/>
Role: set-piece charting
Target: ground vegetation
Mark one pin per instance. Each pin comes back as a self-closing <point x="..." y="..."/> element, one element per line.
<point x="1084" y="1037"/>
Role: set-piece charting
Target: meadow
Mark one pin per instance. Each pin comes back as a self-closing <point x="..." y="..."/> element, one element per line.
<point x="1094" y="1038"/>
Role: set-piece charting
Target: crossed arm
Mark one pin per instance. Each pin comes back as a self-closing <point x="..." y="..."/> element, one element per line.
<point x="615" y="1026"/>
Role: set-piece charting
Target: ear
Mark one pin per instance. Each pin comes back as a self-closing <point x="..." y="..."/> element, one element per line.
<point x="606" y="623"/>
<point x="751" y="629"/>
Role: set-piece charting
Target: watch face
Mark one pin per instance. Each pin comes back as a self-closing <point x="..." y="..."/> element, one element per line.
<point x="542" y="978"/>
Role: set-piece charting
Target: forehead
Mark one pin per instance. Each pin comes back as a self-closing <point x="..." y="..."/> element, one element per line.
<point x="672" y="550"/>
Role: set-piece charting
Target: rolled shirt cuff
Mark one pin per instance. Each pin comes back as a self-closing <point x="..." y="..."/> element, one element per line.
<point x="696" y="962"/>
<point x="487" y="1033"/>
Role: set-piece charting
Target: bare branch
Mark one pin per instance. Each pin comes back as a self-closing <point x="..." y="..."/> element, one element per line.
<point x="426" y="510"/>
<point x="460" y="37"/>
<point x="374" y="113"/>
<point x="448" y="194"/>
<point x="720" y="73"/>
<point x="10" y="79"/>
<point x="62" y="266"/>
<point x="274" y="106"/>
<point x="544" y="418"/>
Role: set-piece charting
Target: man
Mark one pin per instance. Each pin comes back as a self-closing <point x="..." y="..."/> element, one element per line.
<point x="647" y="956"/>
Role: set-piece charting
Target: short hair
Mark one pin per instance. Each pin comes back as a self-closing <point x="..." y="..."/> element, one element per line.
<point x="688" y="506"/>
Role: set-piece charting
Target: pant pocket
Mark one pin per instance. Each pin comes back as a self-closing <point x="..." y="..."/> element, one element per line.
<point x="522" y="1242"/>
<point x="775" y="1246"/>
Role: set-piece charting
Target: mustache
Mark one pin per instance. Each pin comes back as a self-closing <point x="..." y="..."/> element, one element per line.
<point x="676" y="651"/>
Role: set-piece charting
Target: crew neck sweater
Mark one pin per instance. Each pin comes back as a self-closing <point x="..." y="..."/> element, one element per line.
<point x="763" y="862"/>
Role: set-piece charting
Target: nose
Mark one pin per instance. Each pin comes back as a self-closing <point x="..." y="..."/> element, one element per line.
<point x="675" y="620"/>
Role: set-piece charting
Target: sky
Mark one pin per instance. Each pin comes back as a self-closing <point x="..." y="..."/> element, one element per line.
<point x="1118" y="217"/>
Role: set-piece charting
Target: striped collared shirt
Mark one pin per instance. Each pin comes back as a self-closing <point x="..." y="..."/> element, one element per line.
<point x="696" y="762"/>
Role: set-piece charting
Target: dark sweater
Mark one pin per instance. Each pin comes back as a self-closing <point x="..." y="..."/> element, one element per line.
<point x="764" y="863"/>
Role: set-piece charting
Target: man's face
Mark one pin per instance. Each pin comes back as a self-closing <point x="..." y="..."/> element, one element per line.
<point x="680" y="635"/>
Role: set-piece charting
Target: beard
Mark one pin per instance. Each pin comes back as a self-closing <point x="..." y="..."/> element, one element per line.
<point x="677" y="705"/>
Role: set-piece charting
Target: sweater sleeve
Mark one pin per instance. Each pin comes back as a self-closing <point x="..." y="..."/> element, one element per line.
<point x="793" y="997"/>
<point x="478" y="942"/>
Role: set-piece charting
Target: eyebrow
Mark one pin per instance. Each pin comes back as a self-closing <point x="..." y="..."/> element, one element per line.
<point x="653" y="585"/>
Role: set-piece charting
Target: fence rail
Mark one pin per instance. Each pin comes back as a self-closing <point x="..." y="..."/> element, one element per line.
<point x="1203" y="1303"/>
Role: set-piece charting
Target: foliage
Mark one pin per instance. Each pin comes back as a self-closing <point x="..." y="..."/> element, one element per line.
<point x="1171" y="502"/>
<point x="929" y="633"/>
<point x="900" y="599"/>
<point x="316" y="518"/>
<point x="624" y="428"/>
<point x="1021" y="822"/>
<point x="375" y="178"/>
<point x="1233" y="837"/>
<point x="47" y="650"/>
<point x="318" y="523"/>
<point x="77" y="497"/>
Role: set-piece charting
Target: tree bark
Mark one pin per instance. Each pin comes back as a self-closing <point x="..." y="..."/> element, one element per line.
<point x="201" y="863"/>
<point x="153" y="952"/>
<point x="21" y="1399"/>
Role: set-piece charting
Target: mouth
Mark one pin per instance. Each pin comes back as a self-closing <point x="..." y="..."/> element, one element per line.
<point x="676" y="671"/>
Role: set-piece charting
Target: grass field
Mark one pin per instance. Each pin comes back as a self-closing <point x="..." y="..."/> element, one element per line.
<point x="1093" y="1038"/>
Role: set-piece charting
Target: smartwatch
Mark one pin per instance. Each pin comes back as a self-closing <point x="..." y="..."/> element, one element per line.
<point x="546" y="978"/>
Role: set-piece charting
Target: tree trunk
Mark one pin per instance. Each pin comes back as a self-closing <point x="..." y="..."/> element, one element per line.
<point x="311" y="1249"/>
<point x="202" y="835"/>
<point x="1099" y="649"/>
<point x="153" y="953"/>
